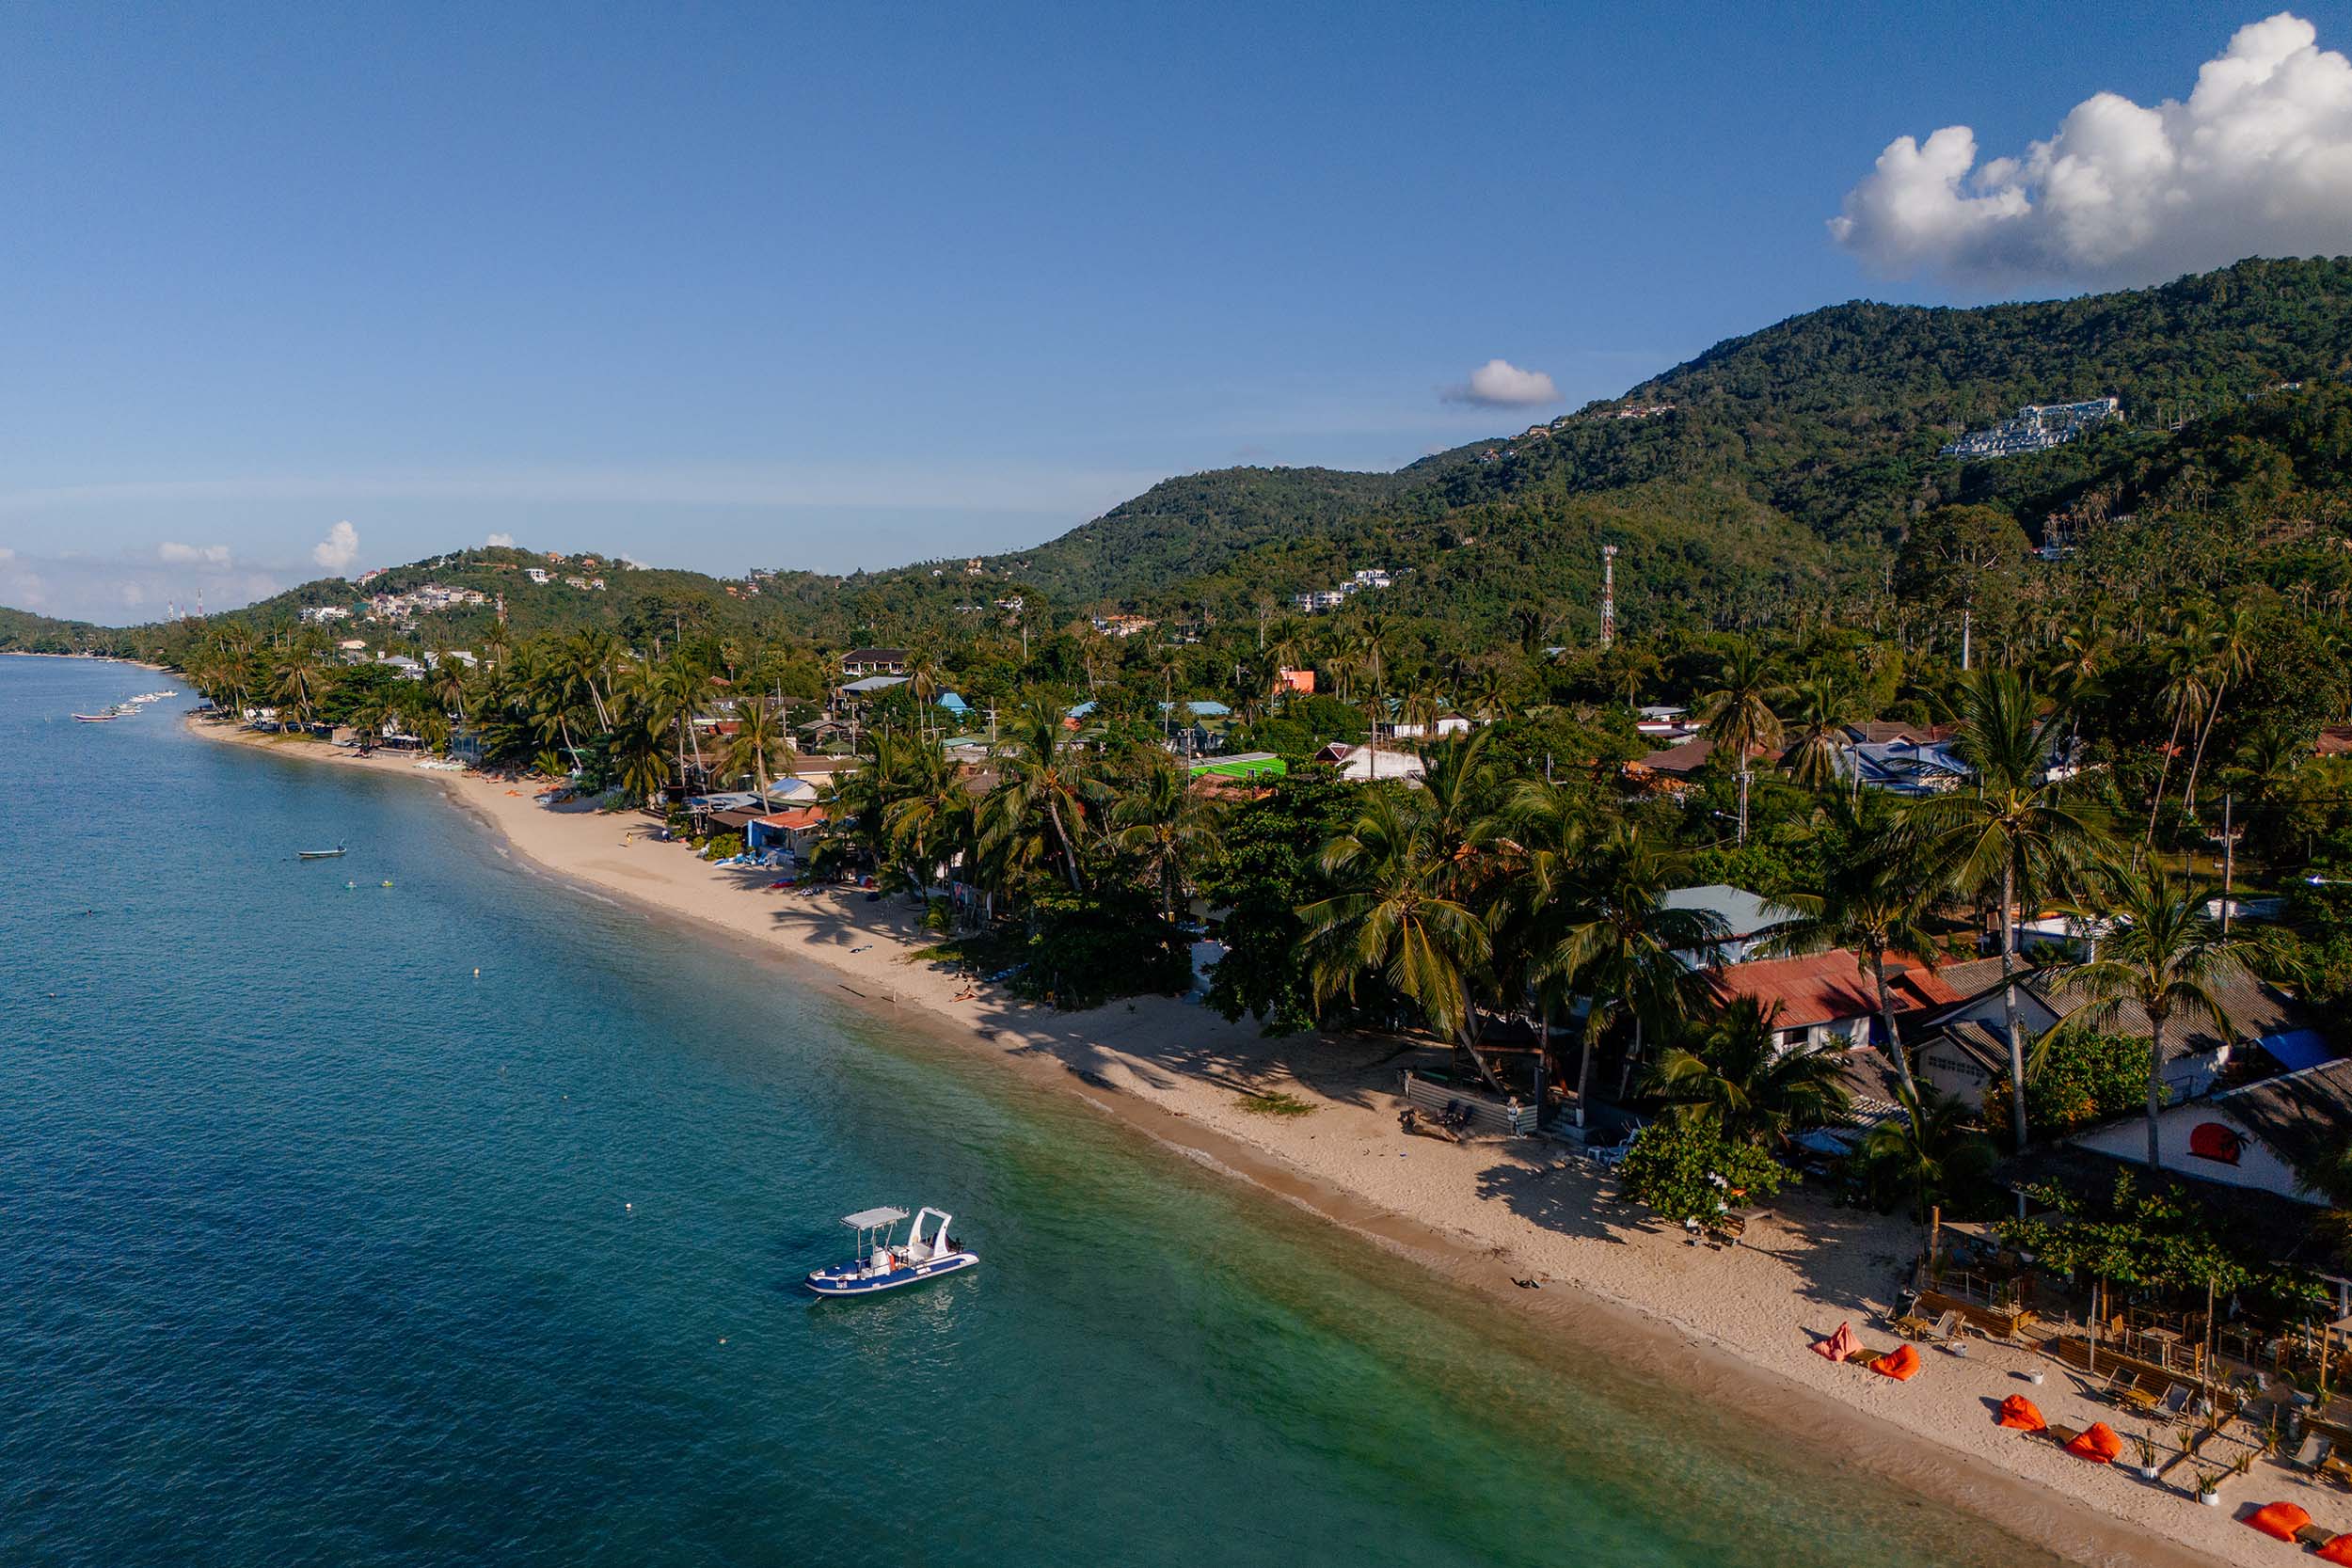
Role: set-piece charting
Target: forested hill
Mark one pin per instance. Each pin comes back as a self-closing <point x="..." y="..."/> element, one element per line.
<point x="1772" y="476"/>
<point x="1182" y="527"/>
<point x="1826" y="425"/>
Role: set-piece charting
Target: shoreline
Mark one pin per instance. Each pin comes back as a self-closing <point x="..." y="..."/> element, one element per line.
<point x="1732" y="1326"/>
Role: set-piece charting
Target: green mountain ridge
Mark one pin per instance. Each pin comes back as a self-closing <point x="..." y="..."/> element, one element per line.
<point x="1780" y="481"/>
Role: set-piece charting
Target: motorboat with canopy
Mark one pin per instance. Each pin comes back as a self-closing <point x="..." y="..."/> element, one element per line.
<point x="882" y="1262"/>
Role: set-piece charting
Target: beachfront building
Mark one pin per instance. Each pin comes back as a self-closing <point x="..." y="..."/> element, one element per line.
<point x="1743" y="916"/>
<point x="874" y="661"/>
<point x="1964" y="1046"/>
<point x="1829" y="999"/>
<point x="2260" y="1135"/>
<point x="794" y="829"/>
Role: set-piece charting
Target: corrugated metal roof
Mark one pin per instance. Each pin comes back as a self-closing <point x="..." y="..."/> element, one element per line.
<point x="1826" y="988"/>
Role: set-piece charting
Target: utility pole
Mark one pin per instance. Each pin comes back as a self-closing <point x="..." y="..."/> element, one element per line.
<point x="1608" y="595"/>
<point x="1744" y="775"/>
<point x="1967" y="630"/>
<point x="2229" y="863"/>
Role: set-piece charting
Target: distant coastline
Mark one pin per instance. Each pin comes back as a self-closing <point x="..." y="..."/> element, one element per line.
<point x="1730" y="1327"/>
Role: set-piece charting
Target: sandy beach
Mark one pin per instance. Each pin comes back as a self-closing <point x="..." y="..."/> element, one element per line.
<point x="1733" y="1323"/>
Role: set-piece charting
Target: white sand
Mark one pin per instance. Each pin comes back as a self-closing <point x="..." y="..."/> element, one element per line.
<point x="1515" y="1210"/>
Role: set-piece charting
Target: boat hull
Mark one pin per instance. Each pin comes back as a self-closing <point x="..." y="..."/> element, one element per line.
<point x="846" y="1279"/>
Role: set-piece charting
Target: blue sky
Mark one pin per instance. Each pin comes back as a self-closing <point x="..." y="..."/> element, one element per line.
<point x="840" y="286"/>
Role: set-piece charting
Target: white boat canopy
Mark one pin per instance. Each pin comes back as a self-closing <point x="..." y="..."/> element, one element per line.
<point x="866" y="1219"/>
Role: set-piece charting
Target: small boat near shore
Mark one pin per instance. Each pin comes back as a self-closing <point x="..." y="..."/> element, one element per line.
<point x="106" y="718"/>
<point x="320" y="854"/>
<point x="882" y="1263"/>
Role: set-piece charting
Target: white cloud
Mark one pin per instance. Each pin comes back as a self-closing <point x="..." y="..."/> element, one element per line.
<point x="133" y="595"/>
<point x="191" y="555"/>
<point x="1500" y="384"/>
<point x="339" y="549"/>
<point x="500" y="541"/>
<point x="6" y="555"/>
<point x="2257" y="162"/>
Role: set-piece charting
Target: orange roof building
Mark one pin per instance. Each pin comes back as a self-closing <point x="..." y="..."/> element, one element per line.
<point x="1828" y="999"/>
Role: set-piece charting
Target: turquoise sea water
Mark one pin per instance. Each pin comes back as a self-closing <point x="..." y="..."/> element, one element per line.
<point x="316" y="1248"/>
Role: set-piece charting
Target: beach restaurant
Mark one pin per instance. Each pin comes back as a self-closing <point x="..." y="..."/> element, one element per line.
<point x="794" y="829"/>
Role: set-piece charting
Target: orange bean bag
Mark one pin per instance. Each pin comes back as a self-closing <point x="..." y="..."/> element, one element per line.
<point x="1901" y="1364"/>
<point x="2101" y="1445"/>
<point x="2020" y="1413"/>
<point x="2278" y="1519"/>
<point x="2338" y="1550"/>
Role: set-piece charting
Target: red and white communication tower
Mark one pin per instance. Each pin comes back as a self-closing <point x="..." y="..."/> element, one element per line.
<point x="1608" y="595"/>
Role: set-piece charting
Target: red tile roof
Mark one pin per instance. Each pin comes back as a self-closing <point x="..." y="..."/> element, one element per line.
<point x="1828" y="988"/>
<point x="793" y="819"/>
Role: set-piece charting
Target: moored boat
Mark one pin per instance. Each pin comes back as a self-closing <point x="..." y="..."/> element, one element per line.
<point x="319" y="854"/>
<point x="884" y="1264"/>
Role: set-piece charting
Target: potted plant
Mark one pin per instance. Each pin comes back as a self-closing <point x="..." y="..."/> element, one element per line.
<point x="2209" y="1486"/>
<point x="2145" y="1447"/>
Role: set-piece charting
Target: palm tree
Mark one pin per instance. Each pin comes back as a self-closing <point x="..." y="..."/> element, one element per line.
<point x="1045" y="776"/>
<point x="2186" y="693"/>
<point x="1371" y="641"/>
<point x="924" y="814"/>
<point x="1868" y="901"/>
<point x="2230" y="649"/>
<point x="675" y="692"/>
<point x="1398" y="914"/>
<point x="637" y="758"/>
<point x="302" y="680"/>
<point x="1935" y="1146"/>
<point x="1737" y="715"/>
<point x="1619" y="945"/>
<point x="2161" y="953"/>
<point x="1821" y="712"/>
<point x="1544" y="847"/>
<point x="759" y="742"/>
<point x="2013" y="831"/>
<point x="1741" y="1081"/>
<point x="1161" y="820"/>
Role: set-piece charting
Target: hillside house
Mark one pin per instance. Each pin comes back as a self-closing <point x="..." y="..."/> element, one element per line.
<point x="874" y="661"/>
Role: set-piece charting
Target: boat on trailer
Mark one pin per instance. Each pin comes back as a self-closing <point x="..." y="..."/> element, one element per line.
<point x="882" y="1262"/>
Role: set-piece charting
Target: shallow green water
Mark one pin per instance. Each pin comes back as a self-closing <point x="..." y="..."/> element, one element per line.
<point x="321" y="1250"/>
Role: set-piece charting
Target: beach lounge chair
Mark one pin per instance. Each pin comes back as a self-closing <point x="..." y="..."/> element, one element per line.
<point x="2313" y="1536"/>
<point x="2313" y="1454"/>
<point x="2176" y="1397"/>
<point x="2062" y="1436"/>
<point x="1944" y="1329"/>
